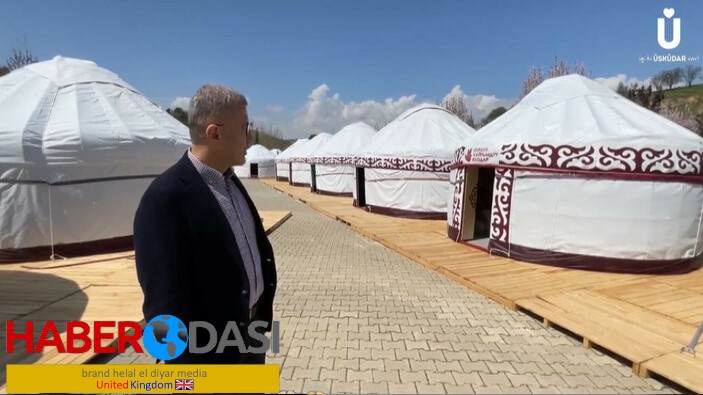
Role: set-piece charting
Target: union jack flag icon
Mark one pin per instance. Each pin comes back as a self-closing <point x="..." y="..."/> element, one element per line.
<point x="184" y="385"/>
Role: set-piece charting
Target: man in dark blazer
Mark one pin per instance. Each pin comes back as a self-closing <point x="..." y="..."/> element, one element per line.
<point x="201" y="251"/>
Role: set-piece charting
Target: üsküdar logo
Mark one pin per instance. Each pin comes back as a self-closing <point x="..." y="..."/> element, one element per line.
<point x="669" y="27"/>
<point x="661" y="30"/>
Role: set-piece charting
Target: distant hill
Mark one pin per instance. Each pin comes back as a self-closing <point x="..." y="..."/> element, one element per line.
<point x="269" y="137"/>
<point x="268" y="140"/>
<point x="691" y="97"/>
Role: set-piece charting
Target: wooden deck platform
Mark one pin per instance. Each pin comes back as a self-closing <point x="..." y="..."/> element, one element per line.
<point x="645" y="319"/>
<point x="95" y="288"/>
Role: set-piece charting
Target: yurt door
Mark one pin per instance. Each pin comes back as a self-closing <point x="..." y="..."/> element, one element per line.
<point x="484" y="202"/>
<point x="478" y="195"/>
<point x="313" y="178"/>
<point x="360" y="200"/>
<point x="254" y="170"/>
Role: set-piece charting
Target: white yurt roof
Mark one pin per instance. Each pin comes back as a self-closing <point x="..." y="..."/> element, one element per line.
<point x="574" y="111"/>
<point x="351" y="140"/>
<point x="290" y="151"/>
<point x="275" y="152"/>
<point x="305" y="151"/>
<point x="70" y="120"/>
<point x="423" y="132"/>
<point x="258" y="153"/>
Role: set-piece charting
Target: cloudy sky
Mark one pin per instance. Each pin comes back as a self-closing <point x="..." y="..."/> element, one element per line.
<point x="314" y="66"/>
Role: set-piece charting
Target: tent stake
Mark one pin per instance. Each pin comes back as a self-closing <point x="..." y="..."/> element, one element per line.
<point x="691" y="348"/>
<point x="51" y="231"/>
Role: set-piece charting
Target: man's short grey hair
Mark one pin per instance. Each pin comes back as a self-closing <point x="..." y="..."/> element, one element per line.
<point x="208" y="104"/>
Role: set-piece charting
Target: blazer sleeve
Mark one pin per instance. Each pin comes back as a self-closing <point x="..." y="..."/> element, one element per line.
<point x="160" y="255"/>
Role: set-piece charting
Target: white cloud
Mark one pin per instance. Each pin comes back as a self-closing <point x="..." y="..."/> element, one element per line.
<point x="612" y="82"/>
<point x="182" y="102"/>
<point x="274" y="109"/>
<point x="325" y="111"/>
<point x="479" y="105"/>
<point x="328" y="113"/>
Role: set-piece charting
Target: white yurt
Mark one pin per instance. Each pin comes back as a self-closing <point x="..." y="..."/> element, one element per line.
<point x="335" y="160"/>
<point x="275" y="151"/>
<point x="78" y="148"/>
<point x="283" y="164"/>
<point x="260" y="163"/>
<point x="406" y="163"/>
<point x="300" y="165"/>
<point x="576" y="175"/>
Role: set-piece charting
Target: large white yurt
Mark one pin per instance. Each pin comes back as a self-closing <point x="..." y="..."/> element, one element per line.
<point x="78" y="148"/>
<point x="335" y="160"/>
<point x="282" y="160"/>
<point x="406" y="163"/>
<point x="260" y="163"/>
<point x="576" y="175"/>
<point x="300" y="160"/>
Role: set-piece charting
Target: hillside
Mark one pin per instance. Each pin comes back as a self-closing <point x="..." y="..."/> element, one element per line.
<point x="268" y="140"/>
<point x="692" y="97"/>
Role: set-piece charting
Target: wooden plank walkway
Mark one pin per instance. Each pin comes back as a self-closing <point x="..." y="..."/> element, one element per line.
<point x="645" y="319"/>
<point x="95" y="288"/>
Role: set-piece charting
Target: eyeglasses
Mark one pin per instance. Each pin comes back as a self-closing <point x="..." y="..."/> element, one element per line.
<point x="249" y="125"/>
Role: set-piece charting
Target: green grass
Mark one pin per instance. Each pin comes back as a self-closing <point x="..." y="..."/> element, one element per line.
<point x="691" y="96"/>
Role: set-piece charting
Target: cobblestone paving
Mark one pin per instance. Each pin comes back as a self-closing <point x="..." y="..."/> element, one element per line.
<point x="357" y="317"/>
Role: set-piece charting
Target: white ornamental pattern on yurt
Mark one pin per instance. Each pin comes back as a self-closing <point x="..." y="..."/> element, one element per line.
<point x="625" y="159"/>
<point x="431" y="165"/>
<point x="458" y="175"/>
<point x="502" y="195"/>
<point x="332" y="160"/>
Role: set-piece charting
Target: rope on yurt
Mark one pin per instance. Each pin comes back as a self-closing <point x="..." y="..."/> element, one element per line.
<point x="51" y="231"/>
<point x="698" y="234"/>
<point x="691" y="348"/>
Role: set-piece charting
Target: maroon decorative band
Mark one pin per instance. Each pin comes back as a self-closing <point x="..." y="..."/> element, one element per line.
<point x="70" y="250"/>
<point x="429" y="164"/>
<point x="590" y="158"/>
<point x="593" y="263"/>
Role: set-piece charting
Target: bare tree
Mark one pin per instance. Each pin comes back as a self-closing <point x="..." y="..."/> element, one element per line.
<point x="657" y="81"/>
<point x="20" y="58"/>
<point x="622" y="89"/>
<point x="690" y="73"/>
<point x="558" y="69"/>
<point x="681" y="116"/>
<point x="580" y="69"/>
<point x="180" y="114"/>
<point x="671" y="77"/>
<point x="645" y="96"/>
<point x="534" y="78"/>
<point x="266" y="135"/>
<point x="275" y="133"/>
<point x="455" y="104"/>
<point x="378" y="125"/>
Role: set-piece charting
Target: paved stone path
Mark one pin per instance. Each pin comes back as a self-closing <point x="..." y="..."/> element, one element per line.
<point x="357" y="317"/>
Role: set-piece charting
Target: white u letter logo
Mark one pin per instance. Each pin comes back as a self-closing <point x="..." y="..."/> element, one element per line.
<point x="661" y="30"/>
